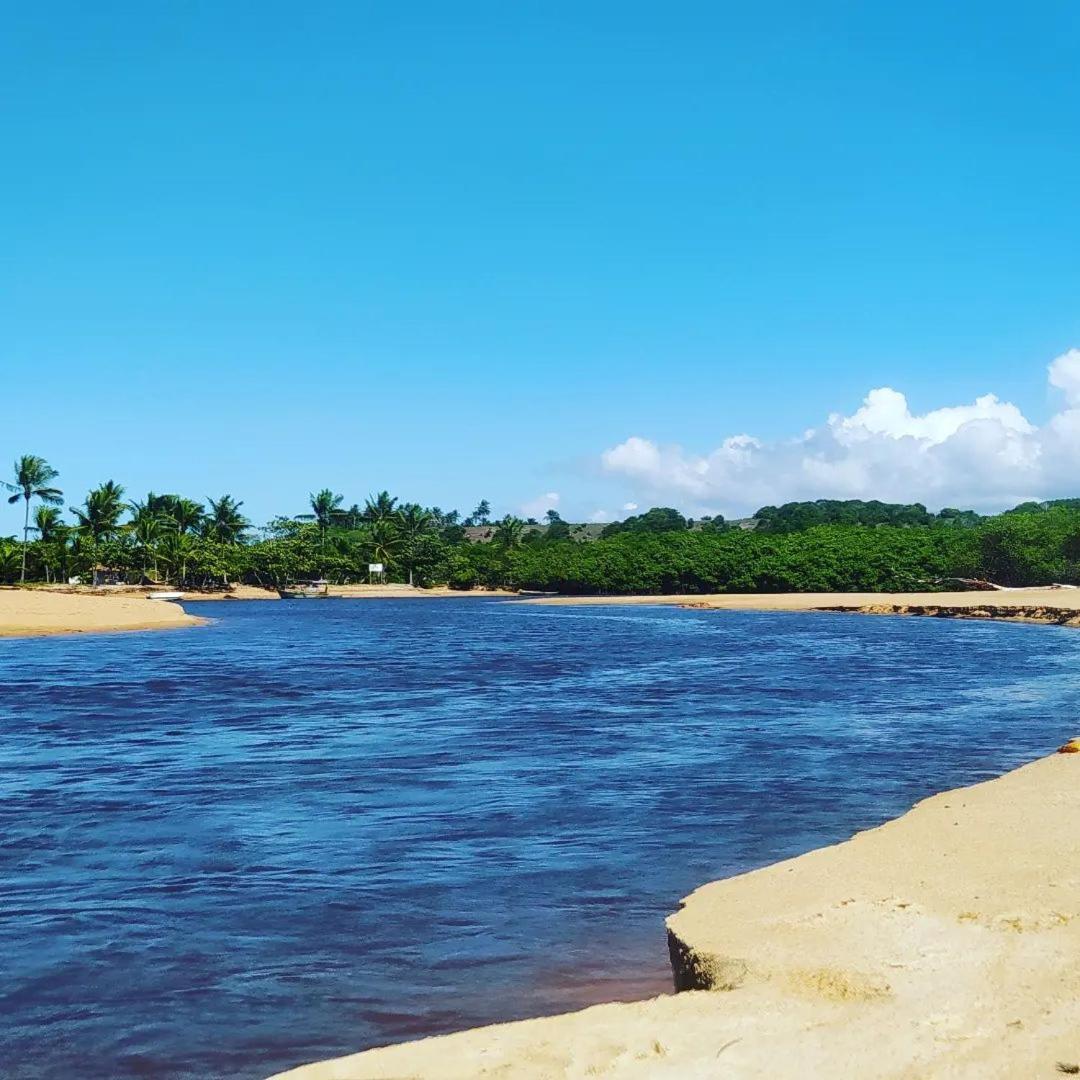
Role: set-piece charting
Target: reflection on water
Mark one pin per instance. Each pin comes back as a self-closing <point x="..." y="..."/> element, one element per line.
<point x="311" y="828"/>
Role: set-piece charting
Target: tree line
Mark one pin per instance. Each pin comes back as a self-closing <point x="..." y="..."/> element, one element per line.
<point x="827" y="545"/>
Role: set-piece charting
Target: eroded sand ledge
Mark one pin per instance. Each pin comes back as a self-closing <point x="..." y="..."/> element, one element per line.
<point x="945" y="943"/>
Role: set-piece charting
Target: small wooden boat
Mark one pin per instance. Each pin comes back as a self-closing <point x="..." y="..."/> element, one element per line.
<point x="165" y="596"/>
<point x="306" y="590"/>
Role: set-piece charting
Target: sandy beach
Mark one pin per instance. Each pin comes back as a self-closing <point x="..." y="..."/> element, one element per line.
<point x="945" y="943"/>
<point x="39" y="612"/>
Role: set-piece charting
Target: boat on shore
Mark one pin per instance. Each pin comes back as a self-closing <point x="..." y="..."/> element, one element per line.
<point x="306" y="590"/>
<point x="165" y="596"/>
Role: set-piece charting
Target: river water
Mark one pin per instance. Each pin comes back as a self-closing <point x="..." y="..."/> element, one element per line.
<point x="313" y="827"/>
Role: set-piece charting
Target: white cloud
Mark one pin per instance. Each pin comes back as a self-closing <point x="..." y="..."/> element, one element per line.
<point x="1065" y="375"/>
<point x="599" y="516"/>
<point x="986" y="454"/>
<point x="538" y="507"/>
<point x="630" y="506"/>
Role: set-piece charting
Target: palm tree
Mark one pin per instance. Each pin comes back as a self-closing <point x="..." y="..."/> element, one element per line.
<point x="33" y="475"/>
<point x="149" y="520"/>
<point x="48" y="524"/>
<point x="380" y="507"/>
<point x="185" y="515"/>
<point x="509" y="532"/>
<point x="385" y="538"/>
<point x="9" y="559"/>
<point x="99" y="517"/>
<point x="52" y="533"/>
<point x="175" y="549"/>
<point x="225" y="523"/>
<point x="481" y="515"/>
<point x="414" y="523"/>
<point x="325" y="511"/>
<point x="150" y="508"/>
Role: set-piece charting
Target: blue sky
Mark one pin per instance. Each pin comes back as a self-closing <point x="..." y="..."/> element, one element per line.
<point x="473" y="249"/>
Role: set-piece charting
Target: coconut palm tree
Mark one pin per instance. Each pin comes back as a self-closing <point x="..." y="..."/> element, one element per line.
<point x="185" y="515"/>
<point x="385" y="539"/>
<point x="380" y="507"/>
<point x="52" y="534"/>
<point x="48" y="524"/>
<point x="225" y="523"/>
<point x="325" y="511"/>
<point x="481" y="515"/>
<point x="509" y="532"/>
<point x="175" y="549"/>
<point x="149" y="520"/>
<point x="33" y="475"/>
<point x="9" y="559"/>
<point x="152" y="506"/>
<point x="413" y="523"/>
<point x="99" y="517"/>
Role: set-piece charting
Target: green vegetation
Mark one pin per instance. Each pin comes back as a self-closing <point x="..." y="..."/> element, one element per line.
<point x="826" y="545"/>
<point x="797" y="516"/>
<point x="660" y="519"/>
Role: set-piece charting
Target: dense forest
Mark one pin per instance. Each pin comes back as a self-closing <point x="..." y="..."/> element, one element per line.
<point x="827" y="545"/>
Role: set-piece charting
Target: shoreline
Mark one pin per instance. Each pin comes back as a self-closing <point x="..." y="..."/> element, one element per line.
<point x="48" y="611"/>
<point x="39" y="611"/>
<point x="30" y="613"/>
<point x="945" y="942"/>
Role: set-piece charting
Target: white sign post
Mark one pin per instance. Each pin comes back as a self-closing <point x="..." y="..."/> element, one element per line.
<point x="374" y="568"/>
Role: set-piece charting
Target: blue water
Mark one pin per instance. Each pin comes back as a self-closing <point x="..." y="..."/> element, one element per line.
<point x="315" y="827"/>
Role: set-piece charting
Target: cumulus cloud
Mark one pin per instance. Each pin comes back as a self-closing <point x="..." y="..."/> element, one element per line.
<point x="538" y="507"/>
<point x="986" y="454"/>
<point x="1065" y="375"/>
<point x="630" y="506"/>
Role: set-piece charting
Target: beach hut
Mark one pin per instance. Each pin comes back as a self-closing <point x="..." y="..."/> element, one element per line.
<point x="108" y="575"/>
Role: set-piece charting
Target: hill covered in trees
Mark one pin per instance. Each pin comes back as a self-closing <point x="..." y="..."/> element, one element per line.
<point x="827" y="545"/>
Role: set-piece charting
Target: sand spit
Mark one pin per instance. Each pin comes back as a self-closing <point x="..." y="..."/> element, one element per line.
<point x="1049" y="598"/>
<point x="945" y="943"/>
<point x="38" y="612"/>
<point x="398" y="592"/>
<point x="346" y="592"/>
<point x="236" y="592"/>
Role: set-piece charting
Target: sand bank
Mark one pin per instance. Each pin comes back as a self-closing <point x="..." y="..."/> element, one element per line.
<point x="349" y="592"/>
<point x="945" y="943"/>
<point x="397" y="592"/>
<point x="237" y="592"/>
<point x="36" y="612"/>
<point x="1064" y="599"/>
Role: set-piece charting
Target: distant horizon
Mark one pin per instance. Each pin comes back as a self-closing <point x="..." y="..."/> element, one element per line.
<point x="710" y="259"/>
